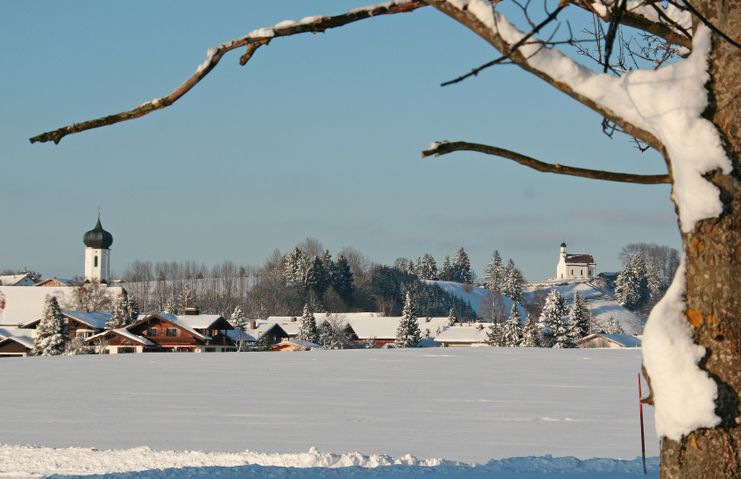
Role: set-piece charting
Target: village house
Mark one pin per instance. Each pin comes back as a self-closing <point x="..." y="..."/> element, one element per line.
<point x="15" y="342"/>
<point x="612" y="341"/>
<point x="575" y="266"/>
<point x="294" y="345"/>
<point x="23" y="279"/>
<point x="464" y="335"/>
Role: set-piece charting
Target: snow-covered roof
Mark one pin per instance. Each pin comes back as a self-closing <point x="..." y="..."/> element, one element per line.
<point x="58" y="282"/>
<point x="19" y="335"/>
<point x="234" y="335"/>
<point x="124" y="333"/>
<point x="25" y="305"/>
<point x="292" y="324"/>
<point x="198" y="321"/>
<point x="95" y="319"/>
<point x="624" y="340"/>
<point x="23" y="279"/>
<point x="299" y="343"/>
<point x="170" y="318"/>
<point x="468" y="333"/>
<point x="262" y="328"/>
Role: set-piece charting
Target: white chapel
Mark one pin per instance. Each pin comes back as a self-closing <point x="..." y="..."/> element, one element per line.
<point x="575" y="265"/>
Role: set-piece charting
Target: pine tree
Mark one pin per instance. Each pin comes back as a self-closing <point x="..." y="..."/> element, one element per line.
<point x="239" y="322"/>
<point x="613" y="327"/>
<point x="494" y="275"/>
<point x="530" y="335"/>
<point x="446" y="270"/>
<point x="120" y="315"/>
<point x="294" y="267"/>
<point x="579" y="318"/>
<point x="462" y="267"/>
<point x="451" y="317"/>
<point x="631" y="287"/>
<point x="315" y="277"/>
<point x="561" y="337"/>
<point x="513" y="329"/>
<point x="513" y="282"/>
<point x="408" y="334"/>
<point x="51" y="333"/>
<point x="551" y="317"/>
<point x="654" y="281"/>
<point x="426" y="267"/>
<point x="495" y="335"/>
<point x="333" y="334"/>
<point x="132" y="310"/>
<point x="308" y="330"/>
<point x="328" y="265"/>
<point x="342" y="279"/>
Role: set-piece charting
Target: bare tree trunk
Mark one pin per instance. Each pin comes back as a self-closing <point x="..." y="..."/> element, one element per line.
<point x="713" y="256"/>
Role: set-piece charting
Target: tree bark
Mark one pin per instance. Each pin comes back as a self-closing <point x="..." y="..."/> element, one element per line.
<point x="713" y="256"/>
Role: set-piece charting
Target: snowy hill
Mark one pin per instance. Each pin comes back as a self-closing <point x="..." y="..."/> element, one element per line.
<point x="600" y="302"/>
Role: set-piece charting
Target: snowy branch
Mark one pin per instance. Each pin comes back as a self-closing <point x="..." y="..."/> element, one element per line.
<point x="252" y="42"/>
<point x="548" y="64"/>
<point x="443" y="148"/>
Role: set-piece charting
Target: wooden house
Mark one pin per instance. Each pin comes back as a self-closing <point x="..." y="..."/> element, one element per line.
<point x="294" y="345"/>
<point x="15" y="342"/>
<point x="612" y="341"/>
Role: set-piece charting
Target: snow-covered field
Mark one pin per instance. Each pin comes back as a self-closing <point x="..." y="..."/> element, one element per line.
<point x="443" y="406"/>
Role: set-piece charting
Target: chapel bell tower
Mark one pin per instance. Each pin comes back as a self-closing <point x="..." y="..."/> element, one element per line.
<point x="97" y="253"/>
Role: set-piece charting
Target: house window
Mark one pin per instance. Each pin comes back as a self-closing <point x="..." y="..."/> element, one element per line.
<point x="572" y="272"/>
<point x="126" y="350"/>
<point x="152" y="332"/>
<point x="582" y="272"/>
<point x="95" y="262"/>
<point x="172" y="332"/>
<point x="210" y="350"/>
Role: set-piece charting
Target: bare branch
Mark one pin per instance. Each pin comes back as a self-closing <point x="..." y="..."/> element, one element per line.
<point x="443" y="148"/>
<point x="640" y="22"/>
<point x="252" y="41"/>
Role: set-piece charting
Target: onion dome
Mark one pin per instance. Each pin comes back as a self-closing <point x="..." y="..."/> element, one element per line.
<point x="97" y="237"/>
<point x="563" y="245"/>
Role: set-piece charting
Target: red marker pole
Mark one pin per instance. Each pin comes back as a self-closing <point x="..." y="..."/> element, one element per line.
<point x="643" y="436"/>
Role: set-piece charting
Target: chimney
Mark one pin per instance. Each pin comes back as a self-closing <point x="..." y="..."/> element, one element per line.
<point x="191" y="311"/>
<point x="293" y="319"/>
<point x="253" y="324"/>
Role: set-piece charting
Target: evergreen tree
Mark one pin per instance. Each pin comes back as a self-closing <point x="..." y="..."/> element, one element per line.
<point x="427" y="267"/>
<point x="132" y="310"/>
<point x="408" y="334"/>
<point x="654" y="283"/>
<point x="530" y="335"/>
<point x="513" y="282"/>
<point x="561" y="337"/>
<point x="613" y="327"/>
<point x="512" y="328"/>
<point x="494" y="275"/>
<point x="446" y="270"/>
<point x="308" y="330"/>
<point x="631" y="286"/>
<point x="579" y="318"/>
<point x="328" y="265"/>
<point x="451" y="317"/>
<point x="294" y="267"/>
<point x="315" y="277"/>
<point x="495" y="335"/>
<point x="239" y="322"/>
<point x="51" y="333"/>
<point x="342" y="279"/>
<point x="551" y="318"/>
<point x="462" y="267"/>
<point x="333" y="334"/>
<point x="120" y="315"/>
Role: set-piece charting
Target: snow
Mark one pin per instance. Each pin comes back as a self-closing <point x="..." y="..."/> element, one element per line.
<point x="285" y="24"/>
<point x="462" y="404"/>
<point x="667" y="102"/>
<point x="671" y="357"/>
<point x="474" y="295"/>
<point x="94" y="319"/>
<point x="262" y="33"/>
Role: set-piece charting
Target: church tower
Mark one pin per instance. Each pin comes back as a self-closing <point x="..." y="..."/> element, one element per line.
<point x="97" y="253"/>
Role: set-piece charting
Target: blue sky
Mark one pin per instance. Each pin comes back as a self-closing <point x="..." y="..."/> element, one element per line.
<point x="319" y="135"/>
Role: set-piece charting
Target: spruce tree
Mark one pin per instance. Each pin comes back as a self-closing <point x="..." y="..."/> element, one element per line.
<point x="579" y="318"/>
<point x="426" y="267"/>
<point x="239" y="322"/>
<point x="451" y="317"/>
<point x="51" y="333"/>
<point x="328" y="265"/>
<point x="446" y="270"/>
<point x="512" y="328"/>
<point x="513" y="282"/>
<point x="120" y="315"/>
<point x="631" y="287"/>
<point x="408" y="334"/>
<point x="132" y="310"/>
<point x="561" y="337"/>
<point x="462" y="267"/>
<point x="342" y="279"/>
<point x="495" y="335"/>
<point x="494" y="275"/>
<point x="308" y="330"/>
<point x="613" y="327"/>
<point x="551" y="318"/>
<point x="315" y="277"/>
<point x="530" y="334"/>
<point x="294" y="267"/>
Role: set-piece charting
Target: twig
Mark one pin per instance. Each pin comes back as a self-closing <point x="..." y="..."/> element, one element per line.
<point x="443" y="148"/>
<point x="252" y="41"/>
